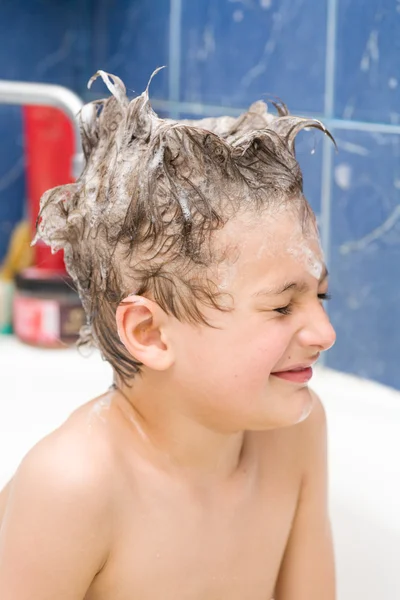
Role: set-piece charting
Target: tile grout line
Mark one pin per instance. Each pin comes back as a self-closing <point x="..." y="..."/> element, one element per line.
<point x="327" y="156"/>
<point x="208" y="110"/>
<point x="330" y="59"/>
<point x="369" y="127"/>
<point x="174" y="67"/>
<point x="327" y="148"/>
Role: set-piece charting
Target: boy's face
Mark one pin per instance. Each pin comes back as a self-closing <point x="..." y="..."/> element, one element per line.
<point x="231" y="373"/>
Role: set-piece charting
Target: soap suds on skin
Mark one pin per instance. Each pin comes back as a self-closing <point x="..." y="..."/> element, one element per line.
<point x="98" y="409"/>
<point x="309" y="259"/>
<point x="306" y="412"/>
<point x="301" y="247"/>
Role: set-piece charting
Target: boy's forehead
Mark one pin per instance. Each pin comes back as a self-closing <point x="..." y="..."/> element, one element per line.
<point x="269" y="235"/>
<point x="272" y="247"/>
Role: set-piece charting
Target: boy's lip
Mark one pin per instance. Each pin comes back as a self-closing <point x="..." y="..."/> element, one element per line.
<point x="299" y="366"/>
<point x="299" y="376"/>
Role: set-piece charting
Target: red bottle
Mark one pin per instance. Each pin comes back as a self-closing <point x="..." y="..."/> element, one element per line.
<point x="49" y="148"/>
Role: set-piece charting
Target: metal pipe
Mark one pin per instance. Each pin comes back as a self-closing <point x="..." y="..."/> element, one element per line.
<point x="45" y="94"/>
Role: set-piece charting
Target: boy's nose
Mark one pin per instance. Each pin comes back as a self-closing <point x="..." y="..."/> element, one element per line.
<point x="319" y="331"/>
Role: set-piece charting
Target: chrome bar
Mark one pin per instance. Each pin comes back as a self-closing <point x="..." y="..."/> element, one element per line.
<point x="45" y="94"/>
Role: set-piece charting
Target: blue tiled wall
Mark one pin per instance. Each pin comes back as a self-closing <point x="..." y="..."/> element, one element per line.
<point x="39" y="41"/>
<point x="338" y="60"/>
<point x="233" y="52"/>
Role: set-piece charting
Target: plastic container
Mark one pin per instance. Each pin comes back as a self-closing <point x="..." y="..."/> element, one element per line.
<point x="47" y="311"/>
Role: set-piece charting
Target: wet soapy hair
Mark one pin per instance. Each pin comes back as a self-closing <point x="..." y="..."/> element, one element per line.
<point x="142" y="216"/>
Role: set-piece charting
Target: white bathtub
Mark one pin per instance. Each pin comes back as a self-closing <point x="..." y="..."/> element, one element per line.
<point x="364" y="439"/>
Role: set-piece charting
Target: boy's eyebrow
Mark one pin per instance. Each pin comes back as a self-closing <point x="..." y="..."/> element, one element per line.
<point x="300" y="286"/>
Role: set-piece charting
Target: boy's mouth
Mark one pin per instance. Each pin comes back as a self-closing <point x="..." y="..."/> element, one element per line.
<point x="297" y="375"/>
<point x="300" y="373"/>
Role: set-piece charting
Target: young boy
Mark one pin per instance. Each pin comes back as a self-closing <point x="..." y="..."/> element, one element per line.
<point x="201" y="474"/>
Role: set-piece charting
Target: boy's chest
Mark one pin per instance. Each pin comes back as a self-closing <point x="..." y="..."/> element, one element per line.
<point x="230" y="550"/>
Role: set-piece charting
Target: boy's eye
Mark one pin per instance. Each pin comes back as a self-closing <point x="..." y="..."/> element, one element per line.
<point x="287" y="310"/>
<point x="284" y="310"/>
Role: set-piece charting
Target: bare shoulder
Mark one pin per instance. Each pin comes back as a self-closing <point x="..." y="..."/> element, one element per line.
<point x="310" y="540"/>
<point x="60" y="498"/>
<point x="4" y="494"/>
<point x="82" y="446"/>
<point x="79" y="458"/>
<point x="74" y="459"/>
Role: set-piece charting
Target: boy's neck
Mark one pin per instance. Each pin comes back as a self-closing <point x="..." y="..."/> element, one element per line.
<point x="176" y="439"/>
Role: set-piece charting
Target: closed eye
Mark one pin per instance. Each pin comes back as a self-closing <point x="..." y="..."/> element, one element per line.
<point x="287" y="310"/>
<point x="284" y="310"/>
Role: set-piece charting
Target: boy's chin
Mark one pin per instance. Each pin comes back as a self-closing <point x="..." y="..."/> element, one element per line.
<point x="274" y="410"/>
<point x="299" y="405"/>
<point x="288" y="410"/>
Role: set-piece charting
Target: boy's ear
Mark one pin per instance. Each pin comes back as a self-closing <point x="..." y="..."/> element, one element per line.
<point x="142" y="328"/>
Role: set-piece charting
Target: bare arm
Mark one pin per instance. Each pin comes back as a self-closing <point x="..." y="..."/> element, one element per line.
<point x="307" y="571"/>
<point x="54" y="537"/>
